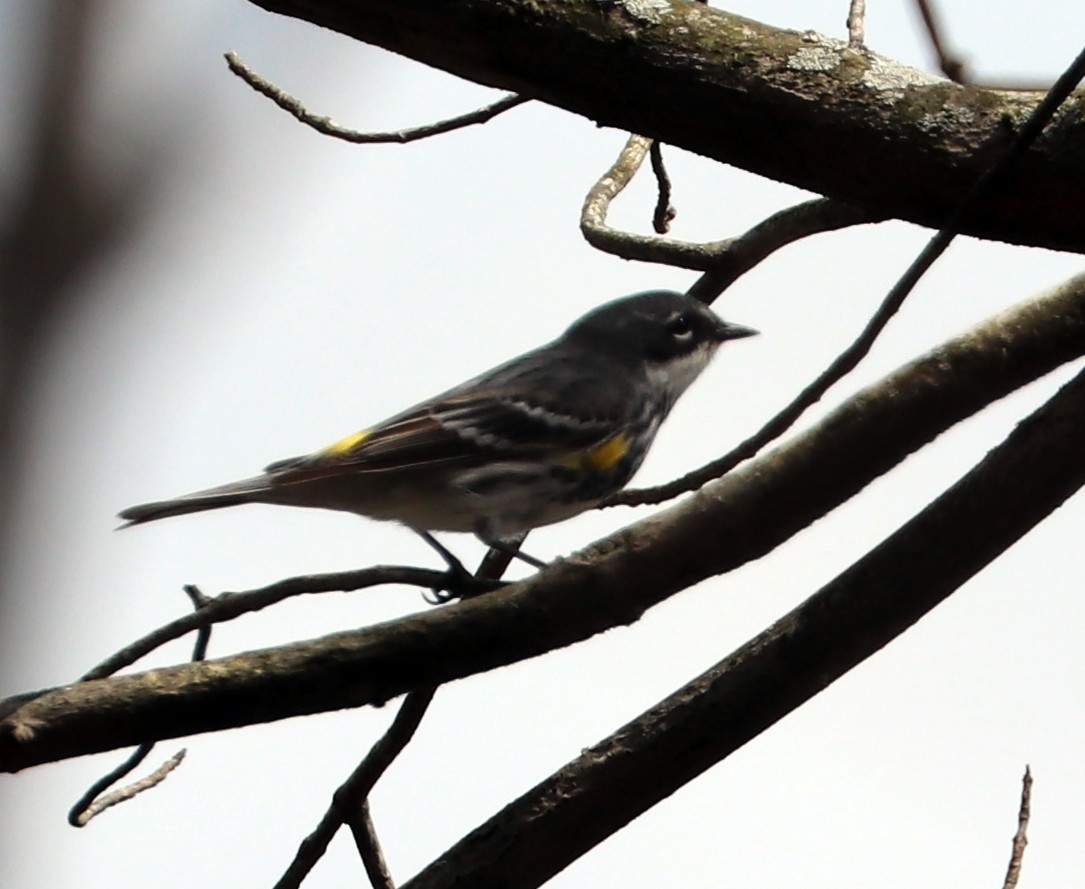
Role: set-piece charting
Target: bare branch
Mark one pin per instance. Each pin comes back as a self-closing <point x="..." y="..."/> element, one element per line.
<point x="1020" y="839"/>
<point x="877" y="129"/>
<point x="327" y="127"/>
<point x="856" y="614"/>
<point x="664" y="213"/>
<point x="847" y="360"/>
<point x="353" y="791"/>
<point x="738" y="255"/>
<point x="365" y="838"/>
<point x="593" y="214"/>
<point x="203" y="634"/>
<point x="952" y="66"/>
<point x="88" y="806"/>
<point x="350" y="803"/>
<point x="741" y="517"/>
<point x="857" y="23"/>
<point x="227" y="606"/>
<point x="722" y="261"/>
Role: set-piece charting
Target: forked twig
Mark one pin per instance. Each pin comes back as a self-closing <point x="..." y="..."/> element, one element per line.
<point x="740" y="254"/>
<point x="355" y="789"/>
<point x="93" y="803"/>
<point x="227" y="606"/>
<point x="349" y="803"/>
<point x="721" y="261"/>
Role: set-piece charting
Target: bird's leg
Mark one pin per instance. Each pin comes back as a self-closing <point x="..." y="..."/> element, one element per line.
<point x="454" y="564"/>
<point x="511" y="547"/>
<point x="461" y="583"/>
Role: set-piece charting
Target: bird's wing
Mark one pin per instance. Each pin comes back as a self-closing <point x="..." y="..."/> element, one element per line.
<point x="473" y="427"/>
<point x="547" y="405"/>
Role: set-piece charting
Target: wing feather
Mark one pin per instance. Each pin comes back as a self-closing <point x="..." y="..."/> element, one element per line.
<point x="532" y="406"/>
<point x="469" y="430"/>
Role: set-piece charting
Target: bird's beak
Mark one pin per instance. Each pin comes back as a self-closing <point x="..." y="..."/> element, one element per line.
<point x="729" y="331"/>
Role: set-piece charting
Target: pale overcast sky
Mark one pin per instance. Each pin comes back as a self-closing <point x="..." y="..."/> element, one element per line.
<point x="292" y="289"/>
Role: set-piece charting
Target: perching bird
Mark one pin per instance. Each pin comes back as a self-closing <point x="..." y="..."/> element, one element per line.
<point x="534" y="441"/>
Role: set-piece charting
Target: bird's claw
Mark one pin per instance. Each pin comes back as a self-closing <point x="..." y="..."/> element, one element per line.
<point x="459" y="583"/>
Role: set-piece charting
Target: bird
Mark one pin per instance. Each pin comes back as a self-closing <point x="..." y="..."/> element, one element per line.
<point x="534" y="441"/>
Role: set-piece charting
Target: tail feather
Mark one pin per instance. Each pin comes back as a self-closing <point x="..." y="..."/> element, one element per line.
<point x="252" y="490"/>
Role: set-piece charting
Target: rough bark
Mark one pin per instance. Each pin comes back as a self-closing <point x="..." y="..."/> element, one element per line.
<point x="796" y="107"/>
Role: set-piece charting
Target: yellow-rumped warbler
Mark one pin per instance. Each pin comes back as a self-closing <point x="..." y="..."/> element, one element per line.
<point x="534" y="441"/>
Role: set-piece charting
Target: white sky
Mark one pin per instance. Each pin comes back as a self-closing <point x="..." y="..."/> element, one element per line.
<point x="294" y="289"/>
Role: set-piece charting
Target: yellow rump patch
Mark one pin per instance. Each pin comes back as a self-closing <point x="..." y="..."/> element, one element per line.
<point x="347" y="445"/>
<point x="601" y="458"/>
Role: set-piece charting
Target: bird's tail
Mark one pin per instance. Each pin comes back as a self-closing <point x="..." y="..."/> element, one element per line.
<point x="251" y="490"/>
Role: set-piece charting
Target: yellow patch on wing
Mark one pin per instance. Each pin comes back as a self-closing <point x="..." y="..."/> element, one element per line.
<point x="601" y="458"/>
<point x="348" y="444"/>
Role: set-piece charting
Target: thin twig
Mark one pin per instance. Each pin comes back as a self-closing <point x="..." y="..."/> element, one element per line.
<point x="952" y="66"/>
<point x="327" y="127"/>
<point x="92" y="803"/>
<point x="365" y="838"/>
<point x="350" y="802"/>
<point x="593" y="214"/>
<point x="356" y="788"/>
<point x="227" y="606"/>
<point x="857" y="23"/>
<point x="78" y="814"/>
<point x="1020" y="839"/>
<point x="738" y="255"/>
<point x="664" y="213"/>
<point x="203" y="634"/>
<point x="721" y="261"/>
<point x="851" y="356"/>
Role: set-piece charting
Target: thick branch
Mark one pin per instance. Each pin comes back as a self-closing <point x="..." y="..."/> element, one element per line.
<point x="728" y="523"/>
<point x="1027" y="477"/>
<point x="799" y="108"/>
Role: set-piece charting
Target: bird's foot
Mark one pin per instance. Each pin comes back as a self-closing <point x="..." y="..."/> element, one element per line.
<point x="457" y="582"/>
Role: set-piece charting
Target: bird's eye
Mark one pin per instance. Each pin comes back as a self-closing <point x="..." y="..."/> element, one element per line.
<point x="680" y="327"/>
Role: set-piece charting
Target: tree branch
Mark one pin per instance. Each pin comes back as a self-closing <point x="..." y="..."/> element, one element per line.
<point x="872" y="132"/>
<point x="875" y="600"/>
<point x="365" y="838"/>
<point x="90" y="805"/>
<point x="352" y="794"/>
<point x="723" y="262"/>
<point x="95" y="800"/>
<point x="726" y="524"/>
<point x="1020" y="838"/>
<point x="227" y="606"/>
<point x="350" y="802"/>
<point x="847" y="360"/>
<point x="328" y="127"/>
